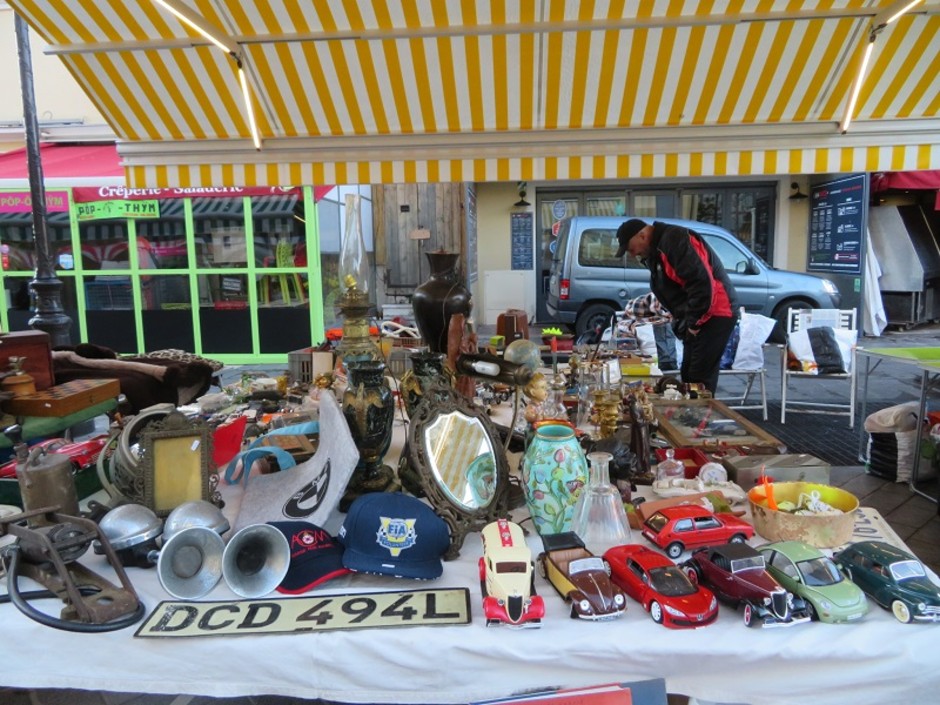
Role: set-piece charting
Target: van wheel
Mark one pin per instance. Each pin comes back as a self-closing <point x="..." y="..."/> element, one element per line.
<point x="595" y="317"/>
<point x="779" y="334"/>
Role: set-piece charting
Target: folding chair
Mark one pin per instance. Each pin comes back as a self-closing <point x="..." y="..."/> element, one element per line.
<point x="804" y="319"/>
<point x="740" y="401"/>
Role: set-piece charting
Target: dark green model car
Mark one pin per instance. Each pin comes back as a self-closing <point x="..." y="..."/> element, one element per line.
<point x="893" y="578"/>
<point x="808" y="573"/>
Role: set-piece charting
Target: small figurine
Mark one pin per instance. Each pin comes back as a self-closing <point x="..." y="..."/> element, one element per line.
<point x="536" y="390"/>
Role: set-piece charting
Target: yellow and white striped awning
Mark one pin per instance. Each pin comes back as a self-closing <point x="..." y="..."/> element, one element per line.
<point x="448" y="90"/>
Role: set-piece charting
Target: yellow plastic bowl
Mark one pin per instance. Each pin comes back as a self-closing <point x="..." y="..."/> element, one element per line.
<point x="820" y="530"/>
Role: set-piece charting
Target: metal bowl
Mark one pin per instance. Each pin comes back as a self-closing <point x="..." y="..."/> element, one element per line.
<point x="129" y="525"/>
<point x="195" y="513"/>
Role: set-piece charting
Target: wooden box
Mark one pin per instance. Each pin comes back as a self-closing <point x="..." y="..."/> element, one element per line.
<point x="512" y="324"/>
<point x="745" y="470"/>
<point x="703" y="422"/>
<point x="64" y="399"/>
<point x="34" y="345"/>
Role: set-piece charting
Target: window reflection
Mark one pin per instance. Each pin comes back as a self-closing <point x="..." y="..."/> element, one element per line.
<point x="219" y="232"/>
<point x="161" y="243"/>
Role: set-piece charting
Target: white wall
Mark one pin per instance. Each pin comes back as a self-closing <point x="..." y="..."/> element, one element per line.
<point x="494" y="206"/>
<point x="58" y="95"/>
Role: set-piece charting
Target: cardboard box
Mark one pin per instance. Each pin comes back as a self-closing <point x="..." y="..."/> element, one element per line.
<point x="745" y="470"/>
<point x="34" y="345"/>
<point x="64" y="399"/>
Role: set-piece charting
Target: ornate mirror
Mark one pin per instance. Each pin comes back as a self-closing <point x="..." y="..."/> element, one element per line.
<point x="454" y="448"/>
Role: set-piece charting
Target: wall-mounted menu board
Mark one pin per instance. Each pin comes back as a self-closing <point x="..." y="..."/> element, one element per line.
<point x="521" y="238"/>
<point x="837" y="225"/>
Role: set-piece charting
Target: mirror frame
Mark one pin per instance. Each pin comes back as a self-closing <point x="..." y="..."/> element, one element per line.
<point x="439" y="400"/>
<point x="167" y="432"/>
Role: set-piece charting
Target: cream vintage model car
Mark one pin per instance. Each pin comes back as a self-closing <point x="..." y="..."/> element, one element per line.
<point x="507" y="577"/>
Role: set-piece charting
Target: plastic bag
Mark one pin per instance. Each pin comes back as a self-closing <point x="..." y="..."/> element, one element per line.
<point x="755" y="329"/>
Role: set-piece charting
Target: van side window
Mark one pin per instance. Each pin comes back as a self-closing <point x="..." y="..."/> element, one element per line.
<point x="598" y="247"/>
<point x="733" y="259"/>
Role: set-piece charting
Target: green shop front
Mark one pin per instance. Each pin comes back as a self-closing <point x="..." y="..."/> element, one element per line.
<point x="243" y="275"/>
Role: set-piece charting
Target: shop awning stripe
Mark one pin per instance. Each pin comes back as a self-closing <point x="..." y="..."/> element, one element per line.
<point x="598" y="166"/>
<point x="445" y="69"/>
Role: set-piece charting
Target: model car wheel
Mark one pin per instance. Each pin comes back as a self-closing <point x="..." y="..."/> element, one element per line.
<point x="811" y="611"/>
<point x="901" y="612"/>
<point x="674" y="550"/>
<point x="738" y="538"/>
<point x="482" y="566"/>
<point x="574" y="612"/>
<point x="541" y="566"/>
<point x="692" y="571"/>
<point x="748" y="616"/>
<point x="656" y="612"/>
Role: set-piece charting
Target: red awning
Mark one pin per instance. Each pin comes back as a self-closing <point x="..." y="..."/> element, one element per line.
<point x="927" y="180"/>
<point x="62" y="161"/>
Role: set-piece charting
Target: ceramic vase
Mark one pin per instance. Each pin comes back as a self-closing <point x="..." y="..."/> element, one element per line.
<point x="439" y="298"/>
<point x="427" y="368"/>
<point x="554" y="472"/>
<point x="369" y="409"/>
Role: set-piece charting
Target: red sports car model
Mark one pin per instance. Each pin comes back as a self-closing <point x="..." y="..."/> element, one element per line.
<point x="661" y="587"/>
<point x="679" y="528"/>
<point x="81" y="454"/>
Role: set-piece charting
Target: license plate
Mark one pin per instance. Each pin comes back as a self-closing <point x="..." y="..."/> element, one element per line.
<point x="308" y="614"/>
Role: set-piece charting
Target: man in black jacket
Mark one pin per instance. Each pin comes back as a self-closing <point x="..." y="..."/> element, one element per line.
<point x="690" y="281"/>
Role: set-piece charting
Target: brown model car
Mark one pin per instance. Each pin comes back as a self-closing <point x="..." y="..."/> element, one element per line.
<point x="580" y="577"/>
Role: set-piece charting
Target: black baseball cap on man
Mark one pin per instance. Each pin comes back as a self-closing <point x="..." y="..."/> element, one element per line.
<point x="626" y="231"/>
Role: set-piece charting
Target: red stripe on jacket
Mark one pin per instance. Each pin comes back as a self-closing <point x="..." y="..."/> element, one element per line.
<point x="721" y="302"/>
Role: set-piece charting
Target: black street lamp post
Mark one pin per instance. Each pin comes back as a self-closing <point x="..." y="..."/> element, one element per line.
<point x="45" y="288"/>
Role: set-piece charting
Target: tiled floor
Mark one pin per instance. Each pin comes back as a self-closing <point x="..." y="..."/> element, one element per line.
<point x="913" y="517"/>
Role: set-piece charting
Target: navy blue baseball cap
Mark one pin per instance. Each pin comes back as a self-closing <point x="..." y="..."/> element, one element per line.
<point x="390" y="533"/>
<point x="315" y="556"/>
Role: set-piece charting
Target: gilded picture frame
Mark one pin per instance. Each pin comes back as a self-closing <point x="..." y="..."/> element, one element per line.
<point x="176" y="462"/>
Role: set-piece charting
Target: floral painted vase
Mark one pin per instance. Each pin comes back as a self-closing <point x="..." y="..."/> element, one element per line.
<point x="554" y="471"/>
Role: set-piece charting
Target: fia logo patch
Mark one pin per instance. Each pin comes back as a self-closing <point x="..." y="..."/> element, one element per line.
<point x="396" y="534"/>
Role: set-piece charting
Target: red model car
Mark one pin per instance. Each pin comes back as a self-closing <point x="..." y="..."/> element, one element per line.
<point x="676" y="529"/>
<point x="661" y="587"/>
<point x="738" y="576"/>
<point x="81" y="454"/>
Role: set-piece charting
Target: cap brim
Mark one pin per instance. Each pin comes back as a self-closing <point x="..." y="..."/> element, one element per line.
<point x="418" y="570"/>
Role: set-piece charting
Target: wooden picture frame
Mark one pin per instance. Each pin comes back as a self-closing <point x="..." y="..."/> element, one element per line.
<point x="176" y="462"/>
<point x="707" y="422"/>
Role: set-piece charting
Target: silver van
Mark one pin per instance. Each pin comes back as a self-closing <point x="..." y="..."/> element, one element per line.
<point x="588" y="283"/>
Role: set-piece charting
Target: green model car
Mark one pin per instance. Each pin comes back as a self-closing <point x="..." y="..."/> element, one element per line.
<point x="893" y="578"/>
<point x="806" y="572"/>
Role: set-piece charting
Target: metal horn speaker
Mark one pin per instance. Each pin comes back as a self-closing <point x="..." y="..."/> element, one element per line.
<point x="190" y="563"/>
<point x="256" y="560"/>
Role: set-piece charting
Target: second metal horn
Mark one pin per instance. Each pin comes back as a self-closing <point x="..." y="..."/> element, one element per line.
<point x="256" y="560"/>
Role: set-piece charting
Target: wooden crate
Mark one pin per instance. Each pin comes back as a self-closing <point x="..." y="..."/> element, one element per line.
<point x="64" y="399"/>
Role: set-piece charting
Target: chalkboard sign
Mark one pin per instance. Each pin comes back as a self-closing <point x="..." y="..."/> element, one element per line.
<point x="837" y="225"/>
<point x="521" y="238"/>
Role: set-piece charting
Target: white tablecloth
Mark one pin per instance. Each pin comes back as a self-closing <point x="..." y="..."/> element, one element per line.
<point x="875" y="661"/>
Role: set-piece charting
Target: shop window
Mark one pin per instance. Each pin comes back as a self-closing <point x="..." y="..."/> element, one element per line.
<point x="17" y="248"/>
<point x="20" y="308"/>
<point x="104" y="244"/>
<point x="219" y="232"/>
<point x="161" y="242"/>
<point x="703" y="207"/>
<point x="279" y="238"/>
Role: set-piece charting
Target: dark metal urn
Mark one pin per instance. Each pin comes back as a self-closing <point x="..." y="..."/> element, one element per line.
<point x="439" y="298"/>
<point x="426" y="369"/>
<point x="369" y="409"/>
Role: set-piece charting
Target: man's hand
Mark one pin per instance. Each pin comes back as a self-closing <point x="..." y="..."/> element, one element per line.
<point x="693" y="331"/>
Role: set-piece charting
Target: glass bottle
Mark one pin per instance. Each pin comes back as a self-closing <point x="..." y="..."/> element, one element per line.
<point x="670" y="468"/>
<point x="599" y="516"/>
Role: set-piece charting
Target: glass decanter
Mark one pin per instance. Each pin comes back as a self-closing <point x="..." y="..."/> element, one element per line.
<point x="670" y="468"/>
<point x="599" y="516"/>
